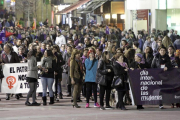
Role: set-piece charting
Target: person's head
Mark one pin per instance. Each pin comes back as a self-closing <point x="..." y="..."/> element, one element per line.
<point x="7" y="48"/>
<point x="63" y="33"/>
<point x="139" y="36"/>
<point x="85" y="52"/>
<point x="124" y="43"/>
<point x="120" y="57"/>
<point x="103" y="39"/>
<point x="113" y="49"/>
<point x="148" y="50"/>
<point x="162" y="51"/>
<point x="21" y="50"/>
<point x="135" y="45"/>
<point x="48" y="53"/>
<point x="38" y="49"/>
<point x="127" y="36"/>
<point x="62" y="47"/>
<point x="165" y="33"/>
<point x="175" y="32"/>
<point x="75" y="54"/>
<point x="138" y="57"/>
<point x="69" y="49"/>
<point x="171" y="50"/>
<point x="95" y="43"/>
<point x="159" y="43"/>
<point x="48" y="47"/>
<point x="148" y="39"/>
<point x="31" y="53"/>
<point x="119" y="51"/>
<point x="87" y="41"/>
<point x="75" y="37"/>
<point x="18" y="42"/>
<point x="91" y="54"/>
<point x="105" y="56"/>
<point x="43" y="45"/>
<point x="55" y="49"/>
<point x="99" y="51"/>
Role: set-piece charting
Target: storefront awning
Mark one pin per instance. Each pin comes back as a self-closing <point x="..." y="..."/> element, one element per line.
<point x="72" y="7"/>
<point x="91" y="6"/>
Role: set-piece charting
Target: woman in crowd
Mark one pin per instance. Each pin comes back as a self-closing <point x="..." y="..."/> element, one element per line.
<point x="171" y="51"/>
<point x="163" y="61"/>
<point x="90" y="78"/>
<point x="148" y="55"/>
<point x="139" y="63"/>
<point x="104" y="78"/>
<point x="49" y="66"/>
<point x="76" y="75"/>
<point x="32" y="76"/>
<point x="58" y="74"/>
<point x="120" y="69"/>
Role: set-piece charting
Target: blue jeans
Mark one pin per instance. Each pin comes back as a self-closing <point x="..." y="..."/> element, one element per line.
<point x="47" y="83"/>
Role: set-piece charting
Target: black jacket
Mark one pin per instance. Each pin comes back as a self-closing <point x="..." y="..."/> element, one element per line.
<point x="149" y="59"/>
<point x="102" y="71"/>
<point x="60" y="63"/>
<point x="156" y="63"/>
<point x="137" y="65"/>
<point x="120" y="72"/>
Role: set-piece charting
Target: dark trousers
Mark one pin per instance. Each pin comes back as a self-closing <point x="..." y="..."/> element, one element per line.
<point x="32" y="91"/>
<point x="69" y="89"/>
<point x="89" y="87"/>
<point x="76" y="92"/>
<point x="84" y="89"/>
<point x="120" y="99"/>
<point x="104" y="89"/>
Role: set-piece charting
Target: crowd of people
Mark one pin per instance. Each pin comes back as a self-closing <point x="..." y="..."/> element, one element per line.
<point x="90" y="58"/>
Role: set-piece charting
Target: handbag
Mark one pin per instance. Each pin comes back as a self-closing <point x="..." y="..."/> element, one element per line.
<point x="117" y="82"/>
<point x="101" y="80"/>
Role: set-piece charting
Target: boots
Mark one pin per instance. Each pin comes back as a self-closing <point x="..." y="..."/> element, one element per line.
<point x="60" y="96"/>
<point x="51" y="100"/>
<point x="44" y="100"/>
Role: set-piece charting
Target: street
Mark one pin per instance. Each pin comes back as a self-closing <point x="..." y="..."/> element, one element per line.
<point x="16" y="110"/>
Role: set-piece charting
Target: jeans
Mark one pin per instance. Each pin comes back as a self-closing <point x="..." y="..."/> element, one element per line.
<point x="47" y="83"/>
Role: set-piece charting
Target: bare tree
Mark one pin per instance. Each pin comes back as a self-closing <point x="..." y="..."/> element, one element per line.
<point x="28" y="7"/>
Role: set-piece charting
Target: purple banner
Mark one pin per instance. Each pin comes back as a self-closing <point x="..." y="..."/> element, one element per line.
<point x="155" y="86"/>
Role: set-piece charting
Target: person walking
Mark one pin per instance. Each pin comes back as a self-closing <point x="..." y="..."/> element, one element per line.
<point x="32" y="76"/>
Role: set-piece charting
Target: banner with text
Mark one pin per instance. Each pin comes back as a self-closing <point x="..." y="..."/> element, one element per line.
<point x="155" y="86"/>
<point x="14" y="80"/>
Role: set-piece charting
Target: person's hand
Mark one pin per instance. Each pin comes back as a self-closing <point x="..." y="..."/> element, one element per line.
<point x="72" y="81"/>
<point x="109" y="70"/>
<point x="46" y="70"/>
<point x="56" y="73"/>
<point x="165" y="68"/>
<point x="176" y="66"/>
<point x="39" y="66"/>
<point x="2" y="63"/>
<point x="91" y="58"/>
<point x="126" y="69"/>
<point x="132" y="68"/>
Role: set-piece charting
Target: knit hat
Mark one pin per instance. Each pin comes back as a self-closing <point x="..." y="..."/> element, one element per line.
<point x="142" y="58"/>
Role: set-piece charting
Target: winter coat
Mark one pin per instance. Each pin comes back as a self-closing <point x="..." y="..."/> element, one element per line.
<point x="91" y="70"/>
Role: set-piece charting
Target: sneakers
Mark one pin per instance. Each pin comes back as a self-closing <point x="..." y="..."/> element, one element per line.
<point x="102" y="108"/>
<point x="87" y="105"/>
<point x="96" y="105"/>
<point x="161" y="107"/>
<point x="108" y="107"/>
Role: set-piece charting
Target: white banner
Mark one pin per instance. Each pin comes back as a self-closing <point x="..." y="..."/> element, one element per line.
<point x="14" y="80"/>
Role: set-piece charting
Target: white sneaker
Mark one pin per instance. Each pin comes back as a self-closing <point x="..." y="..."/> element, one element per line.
<point x="161" y="107"/>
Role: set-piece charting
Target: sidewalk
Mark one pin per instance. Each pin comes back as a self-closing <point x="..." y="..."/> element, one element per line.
<point x="16" y="110"/>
